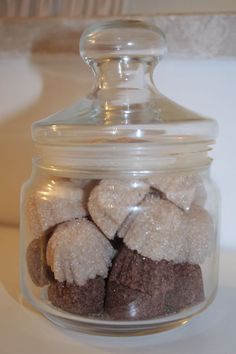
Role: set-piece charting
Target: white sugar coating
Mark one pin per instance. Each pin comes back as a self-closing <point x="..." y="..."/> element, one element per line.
<point x="111" y="201"/>
<point x="161" y="230"/>
<point x="78" y="251"/>
<point x="54" y="202"/>
<point x="180" y="189"/>
<point x="158" y="231"/>
<point x="199" y="234"/>
<point x="200" y="196"/>
<point x="106" y="224"/>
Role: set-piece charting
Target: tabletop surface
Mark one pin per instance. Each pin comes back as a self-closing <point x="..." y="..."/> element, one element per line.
<point x="24" y="331"/>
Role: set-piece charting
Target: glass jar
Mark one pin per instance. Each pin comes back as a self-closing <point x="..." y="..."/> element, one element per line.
<point x="119" y="219"/>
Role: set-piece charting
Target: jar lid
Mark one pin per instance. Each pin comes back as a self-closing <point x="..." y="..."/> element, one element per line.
<point x="124" y="119"/>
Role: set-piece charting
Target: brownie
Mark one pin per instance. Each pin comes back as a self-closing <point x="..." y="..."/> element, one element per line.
<point x="188" y="288"/>
<point x="38" y="269"/>
<point x="123" y="303"/>
<point x="80" y="300"/>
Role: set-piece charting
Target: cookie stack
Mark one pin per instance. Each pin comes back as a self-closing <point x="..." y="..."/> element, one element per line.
<point x="126" y="249"/>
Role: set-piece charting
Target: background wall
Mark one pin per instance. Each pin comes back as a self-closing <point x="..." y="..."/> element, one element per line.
<point x="41" y="73"/>
<point x="45" y="8"/>
<point x="179" y="6"/>
<point x="207" y="86"/>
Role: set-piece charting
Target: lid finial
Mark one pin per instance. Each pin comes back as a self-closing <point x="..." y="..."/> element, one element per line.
<point x="122" y="38"/>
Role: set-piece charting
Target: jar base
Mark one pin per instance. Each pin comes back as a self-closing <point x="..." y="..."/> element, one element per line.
<point x="95" y="326"/>
<point x="116" y="331"/>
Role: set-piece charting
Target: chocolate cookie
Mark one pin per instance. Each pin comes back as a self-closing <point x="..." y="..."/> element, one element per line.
<point x="141" y="273"/>
<point x="137" y="286"/>
<point x="36" y="262"/>
<point x="188" y="288"/>
<point x="124" y="303"/>
<point x="80" y="300"/>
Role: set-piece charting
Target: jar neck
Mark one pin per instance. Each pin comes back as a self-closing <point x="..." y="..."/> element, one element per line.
<point x="124" y="85"/>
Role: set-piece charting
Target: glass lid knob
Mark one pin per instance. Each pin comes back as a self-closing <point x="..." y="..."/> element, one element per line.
<point x="124" y="104"/>
<point x="120" y="38"/>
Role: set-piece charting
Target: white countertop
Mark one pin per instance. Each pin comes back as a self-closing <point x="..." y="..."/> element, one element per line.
<point x="24" y="331"/>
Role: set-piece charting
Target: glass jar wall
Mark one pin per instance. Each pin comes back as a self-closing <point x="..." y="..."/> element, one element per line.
<point x="119" y="218"/>
<point x="120" y="249"/>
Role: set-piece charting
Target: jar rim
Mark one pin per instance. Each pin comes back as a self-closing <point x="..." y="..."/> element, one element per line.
<point x="122" y="160"/>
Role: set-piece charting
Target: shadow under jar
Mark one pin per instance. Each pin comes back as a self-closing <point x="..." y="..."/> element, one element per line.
<point x="119" y="218"/>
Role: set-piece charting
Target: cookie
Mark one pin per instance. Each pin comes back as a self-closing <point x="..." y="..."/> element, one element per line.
<point x="112" y="201"/>
<point x="123" y="303"/>
<point x="137" y="286"/>
<point x="158" y="232"/>
<point x="38" y="269"/>
<point x="199" y="230"/>
<point x="141" y="273"/>
<point x="181" y="189"/>
<point x="54" y="202"/>
<point x="81" y="300"/>
<point x="78" y="251"/>
<point x="188" y="288"/>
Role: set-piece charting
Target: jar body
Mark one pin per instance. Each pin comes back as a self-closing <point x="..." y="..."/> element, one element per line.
<point x="119" y="255"/>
